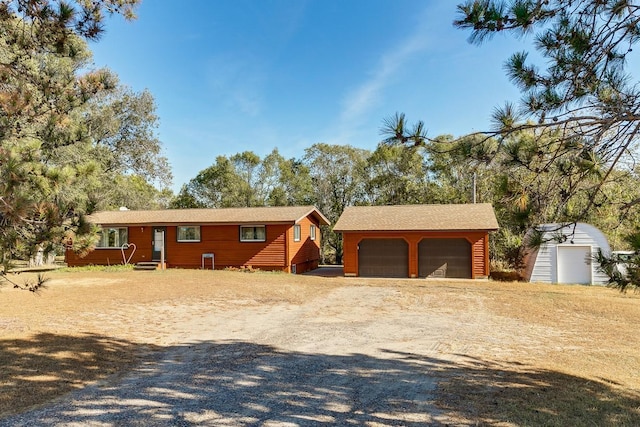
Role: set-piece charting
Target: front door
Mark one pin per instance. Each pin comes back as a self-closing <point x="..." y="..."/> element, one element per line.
<point x="159" y="243"/>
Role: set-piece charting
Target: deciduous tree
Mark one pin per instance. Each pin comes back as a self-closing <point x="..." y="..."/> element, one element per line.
<point x="245" y="180"/>
<point x="398" y="176"/>
<point x="338" y="177"/>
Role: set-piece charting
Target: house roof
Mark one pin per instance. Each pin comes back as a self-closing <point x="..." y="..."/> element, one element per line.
<point x="257" y="215"/>
<point x="452" y="217"/>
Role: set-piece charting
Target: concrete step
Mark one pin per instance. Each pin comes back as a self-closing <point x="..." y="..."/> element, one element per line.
<point x="147" y="265"/>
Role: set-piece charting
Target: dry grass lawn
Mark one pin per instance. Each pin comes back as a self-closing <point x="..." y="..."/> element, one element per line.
<point x="499" y="353"/>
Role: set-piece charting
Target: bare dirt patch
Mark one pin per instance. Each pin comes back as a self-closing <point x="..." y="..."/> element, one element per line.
<point x="273" y="349"/>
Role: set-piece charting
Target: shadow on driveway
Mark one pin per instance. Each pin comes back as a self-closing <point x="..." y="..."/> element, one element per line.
<point x="243" y="383"/>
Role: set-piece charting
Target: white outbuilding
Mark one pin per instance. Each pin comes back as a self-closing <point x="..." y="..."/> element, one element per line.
<point x="567" y="255"/>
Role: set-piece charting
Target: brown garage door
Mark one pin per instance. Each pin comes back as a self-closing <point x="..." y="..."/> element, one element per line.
<point x="444" y="258"/>
<point x="383" y="258"/>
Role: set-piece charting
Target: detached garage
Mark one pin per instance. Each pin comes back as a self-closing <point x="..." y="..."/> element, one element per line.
<point x="449" y="241"/>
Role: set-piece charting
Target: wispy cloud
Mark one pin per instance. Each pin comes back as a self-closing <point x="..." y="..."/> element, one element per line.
<point x="359" y="101"/>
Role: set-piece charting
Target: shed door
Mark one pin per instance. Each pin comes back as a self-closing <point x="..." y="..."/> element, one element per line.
<point x="444" y="258"/>
<point x="574" y="264"/>
<point x="383" y="258"/>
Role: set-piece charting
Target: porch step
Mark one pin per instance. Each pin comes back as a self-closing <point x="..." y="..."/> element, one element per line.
<point x="147" y="265"/>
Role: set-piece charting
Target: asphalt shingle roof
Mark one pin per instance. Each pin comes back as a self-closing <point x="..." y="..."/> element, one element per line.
<point x="452" y="217"/>
<point x="260" y="215"/>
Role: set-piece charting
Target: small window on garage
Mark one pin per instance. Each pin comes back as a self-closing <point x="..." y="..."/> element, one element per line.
<point x="296" y="233"/>
<point x="253" y="233"/>
<point x="312" y="232"/>
<point x="188" y="233"/>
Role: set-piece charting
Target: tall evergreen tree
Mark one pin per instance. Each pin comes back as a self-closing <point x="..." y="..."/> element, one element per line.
<point x="43" y="92"/>
<point x="583" y="99"/>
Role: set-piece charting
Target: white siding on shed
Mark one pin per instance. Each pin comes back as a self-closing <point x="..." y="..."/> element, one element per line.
<point x="543" y="263"/>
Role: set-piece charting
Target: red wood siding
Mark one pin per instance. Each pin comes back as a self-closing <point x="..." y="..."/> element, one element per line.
<point x="478" y="239"/>
<point x="278" y="252"/>
<point x="141" y="236"/>
<point x="305" y="254"/>
<point x="479" y="257"/>
<point x="221" y="240"/>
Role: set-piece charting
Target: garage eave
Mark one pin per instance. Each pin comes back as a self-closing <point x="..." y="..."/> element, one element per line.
<point x="395" y="230"/>
<point x="411" y="218"/>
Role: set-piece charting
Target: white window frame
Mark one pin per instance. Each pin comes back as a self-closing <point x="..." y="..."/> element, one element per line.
<point x="312" y="232"/>
<point x="264" y="239"/>
<point x="297" y="233"/>
<point x="103" y="243"/>
<point x="195" y="240"/>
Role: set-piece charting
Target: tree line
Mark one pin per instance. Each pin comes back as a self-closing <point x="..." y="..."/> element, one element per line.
<point x="527" y="185"/>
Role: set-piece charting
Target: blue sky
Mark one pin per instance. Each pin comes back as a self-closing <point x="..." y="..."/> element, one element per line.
<point x="236" y="75"/>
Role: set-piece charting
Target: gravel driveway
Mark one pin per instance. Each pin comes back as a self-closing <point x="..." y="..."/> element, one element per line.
<point x="346" y="359"/>
<point x="247" y="384"/>
<point x="239" y="349"/>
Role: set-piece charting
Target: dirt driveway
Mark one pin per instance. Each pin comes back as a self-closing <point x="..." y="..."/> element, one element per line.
<point x="228" y="348"/>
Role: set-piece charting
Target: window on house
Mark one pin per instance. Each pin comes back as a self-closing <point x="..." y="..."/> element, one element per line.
<point x="296" y="233"/>
<point x="254" y="233"/>
<point x="113" y="237"/>
<point x="188" y="233"/>
<point x="312" y="232"/>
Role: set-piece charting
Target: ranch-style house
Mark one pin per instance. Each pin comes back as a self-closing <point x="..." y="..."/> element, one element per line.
<point x="267" y="238"/>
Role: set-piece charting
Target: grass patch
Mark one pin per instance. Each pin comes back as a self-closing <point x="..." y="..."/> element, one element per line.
<point x="493" y="393"/>
<point x="97" y="268"/>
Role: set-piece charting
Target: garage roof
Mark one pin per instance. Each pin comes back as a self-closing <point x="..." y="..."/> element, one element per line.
<point x="479" y="216"/>
<point x="259" y="215"/>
